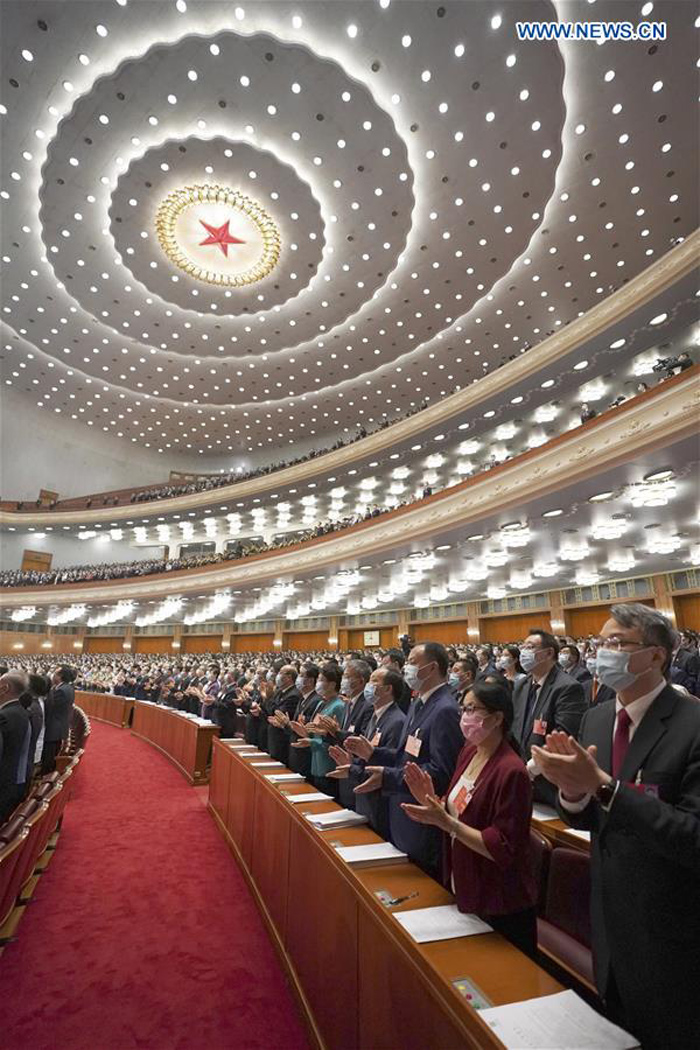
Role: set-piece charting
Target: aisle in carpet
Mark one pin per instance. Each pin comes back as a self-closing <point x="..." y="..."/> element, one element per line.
<point x="143" y="932"/>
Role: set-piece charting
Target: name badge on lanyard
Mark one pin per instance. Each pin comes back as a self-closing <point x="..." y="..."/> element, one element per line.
<point x="463" y="797"/>
<point x="413" y="745"/>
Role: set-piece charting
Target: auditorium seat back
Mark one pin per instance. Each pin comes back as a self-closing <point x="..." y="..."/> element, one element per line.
<point x="10" y="855"/>
<point x="564" y="931"/>
<point x="541" y="850"/>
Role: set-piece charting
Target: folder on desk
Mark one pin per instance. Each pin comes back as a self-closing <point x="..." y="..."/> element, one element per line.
<point x="281" y="778"/>
<point x="442" y="923"/>
<point x="267" y="765"/>
<point x="540" y="812"/>
<point x="586" y="835"/>
<point x="309" y="796"/>
<point x="562" y="1021"/>
<point x="337" y="818"/>
<point x="375" y="854"/>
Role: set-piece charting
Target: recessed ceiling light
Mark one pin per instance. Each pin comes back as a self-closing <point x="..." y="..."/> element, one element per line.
<point x="580" y="365"/>
<point x="600" y="497"/>
<point x="659" y="319"/>
<point x="496" y="21"/>
<point x="659" y="475"/>
<point x="552" y="513"/>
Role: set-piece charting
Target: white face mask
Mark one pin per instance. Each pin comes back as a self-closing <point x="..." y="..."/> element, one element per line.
<point x="565" y="660"/>
<point x="612" y="669"/>
<point x="410" y="673"/>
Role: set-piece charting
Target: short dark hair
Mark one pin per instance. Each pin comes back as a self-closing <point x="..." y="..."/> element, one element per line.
<point x="397" y="656"/>
<point x="654" y="627"/>
<point x="436" y="651"/>
<point x="310" y="671"/>
<point x="573" y="649"/>
<point x="548" y="640"/>
<point x="332" y="673"/>
<point x="66" y="673"/>
<point x="39" y="684"/>
<point x="394" y="680"/>
<point x="469" y="663"/>
<point x="371" y="662"/>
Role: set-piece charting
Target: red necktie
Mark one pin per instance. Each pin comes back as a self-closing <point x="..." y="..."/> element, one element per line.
<point x="621" y="741"/>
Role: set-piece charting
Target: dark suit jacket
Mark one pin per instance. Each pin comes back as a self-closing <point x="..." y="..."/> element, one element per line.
<point x="15" y="735"/>
<point x="356" y="718"/>
<point x="645" y="869"/>
<point x="223" y="711"/>
<point x="299" y="758"/>
<point x="277" y="739"/>
<point x="580" y="673"/>
<point x="36" y="721"/>
<point x="58" y="712"/>
<point x="560" y="705"/>
<point x="375" y="806"/>
<point x="437" y="726"/>
<point x="488" y="672"/>
<point x="603" y="693"/>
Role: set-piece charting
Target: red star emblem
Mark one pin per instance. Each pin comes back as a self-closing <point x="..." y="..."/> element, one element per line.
<point x="219" y="235"/>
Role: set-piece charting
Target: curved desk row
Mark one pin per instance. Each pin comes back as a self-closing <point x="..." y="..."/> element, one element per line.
<point x="363" y="981"/>
<point x="105" y="707"/>
<point x="182" y="738"/>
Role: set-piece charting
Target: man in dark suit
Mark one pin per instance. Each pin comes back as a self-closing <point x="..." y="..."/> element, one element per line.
<point x="15" y="736"/>
<point x="571" y="662"/>
<point x="358" y="709"/>
<point x="224" y="707"/>
<point x="685" y="665"/>
<point x="33" y="702"/>
<point x="633" y="780"/>
<point x="299" y="760"/>
<point x="462" y="676"/>
<point x="431" y="737"/>
<point x="486" y="662"/>
<point x="384" y="727"/>
<point x="57" y="715"/>
<point x="546" y="699"/>
<point x="394" y="660"/>
<point x="286" y="702"/>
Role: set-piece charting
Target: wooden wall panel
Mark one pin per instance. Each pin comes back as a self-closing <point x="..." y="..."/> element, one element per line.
<point x="388" y="637"/>
<point x="252" y="643"/>
<point x="201" y="643"/>
<point x="512" y="628"/>
<point x="687" y="608"/>
<point x="31" y="644"/>
<point x="94" y="643"/>
<point x="143" y="643"/>
<point x="36" y="561"/>
<point x="305" y="641"/>
<point x="590" y="618"/>
<point x="448" y="633"/>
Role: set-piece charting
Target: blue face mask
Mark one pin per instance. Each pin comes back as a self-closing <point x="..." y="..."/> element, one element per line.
<point x="345" y="686"/>
<point x="453" y="680"/>
<point x="299" y="683"/>
<point x="370" y="691"/>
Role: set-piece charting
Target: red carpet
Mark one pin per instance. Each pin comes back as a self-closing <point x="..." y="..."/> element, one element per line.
<point x="142" y="932"/>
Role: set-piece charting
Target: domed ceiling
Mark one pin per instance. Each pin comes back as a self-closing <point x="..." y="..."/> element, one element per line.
<point x="232" y="229"/>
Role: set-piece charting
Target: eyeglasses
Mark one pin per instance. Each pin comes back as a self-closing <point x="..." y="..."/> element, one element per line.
<point x="472" y="709"/>
<point x="617" y="645"/>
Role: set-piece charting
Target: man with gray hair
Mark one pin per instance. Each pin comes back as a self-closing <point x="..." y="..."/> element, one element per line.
<point x="633" y="780"/>
<point x="15" y="737"/>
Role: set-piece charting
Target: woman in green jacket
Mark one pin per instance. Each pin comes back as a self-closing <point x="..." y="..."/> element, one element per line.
<point x="314" y="734"/>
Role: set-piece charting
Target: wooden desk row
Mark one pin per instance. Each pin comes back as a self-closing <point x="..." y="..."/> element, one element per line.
<point x="362" y="980"/>
<point x="104" y="707"/>
<point x="186" y="742"/>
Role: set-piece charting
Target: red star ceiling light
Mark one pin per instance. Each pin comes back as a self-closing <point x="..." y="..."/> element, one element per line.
<point x="256" y="244"/>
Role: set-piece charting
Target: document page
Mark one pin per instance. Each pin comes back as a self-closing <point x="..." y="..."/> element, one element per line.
<point x="309" y="796"/>
<point x="280" y="778"/>
<point x="555" y="1022"/>
<point x="443" y="923"/>
<point x="542" y="812"/>
<point x="373" y="853"/>
<point x="267" y="765"/>
<point x="339" y="818"/>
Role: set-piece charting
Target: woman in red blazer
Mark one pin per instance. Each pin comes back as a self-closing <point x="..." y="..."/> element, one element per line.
<point x="486" y="814"/>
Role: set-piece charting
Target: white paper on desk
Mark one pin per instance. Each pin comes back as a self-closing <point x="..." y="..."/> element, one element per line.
<point x="234" y="742"/>
<point x="555" y="1022"/>
<point x="544" y="813"/>
<point x="373" y="853"/>
<point x="250" y="754"/>
<point x="442" y="923"/>
<point x="279" y="778"/>
<point x="579" y="834"/>
<point x="337" y="818"/>
<point x="309" y="796"/>
<point x="267" y="765"/>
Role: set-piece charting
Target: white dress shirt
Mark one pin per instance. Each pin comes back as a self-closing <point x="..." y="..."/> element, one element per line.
<point x="636" y="710"/>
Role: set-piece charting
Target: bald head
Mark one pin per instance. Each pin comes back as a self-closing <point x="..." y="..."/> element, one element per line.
<point x="13" y="685"/>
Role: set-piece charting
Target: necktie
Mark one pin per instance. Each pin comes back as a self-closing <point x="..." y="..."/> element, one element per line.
<point x="621" y="741"/>
<point x="372" y="727"/>
<point x="529" y="708"/>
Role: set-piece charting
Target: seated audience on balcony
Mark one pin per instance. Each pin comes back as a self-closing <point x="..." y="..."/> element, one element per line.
<point x="485" y="819"/>
<point x="587" y="412"/>
<point x="546" y="699"/>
